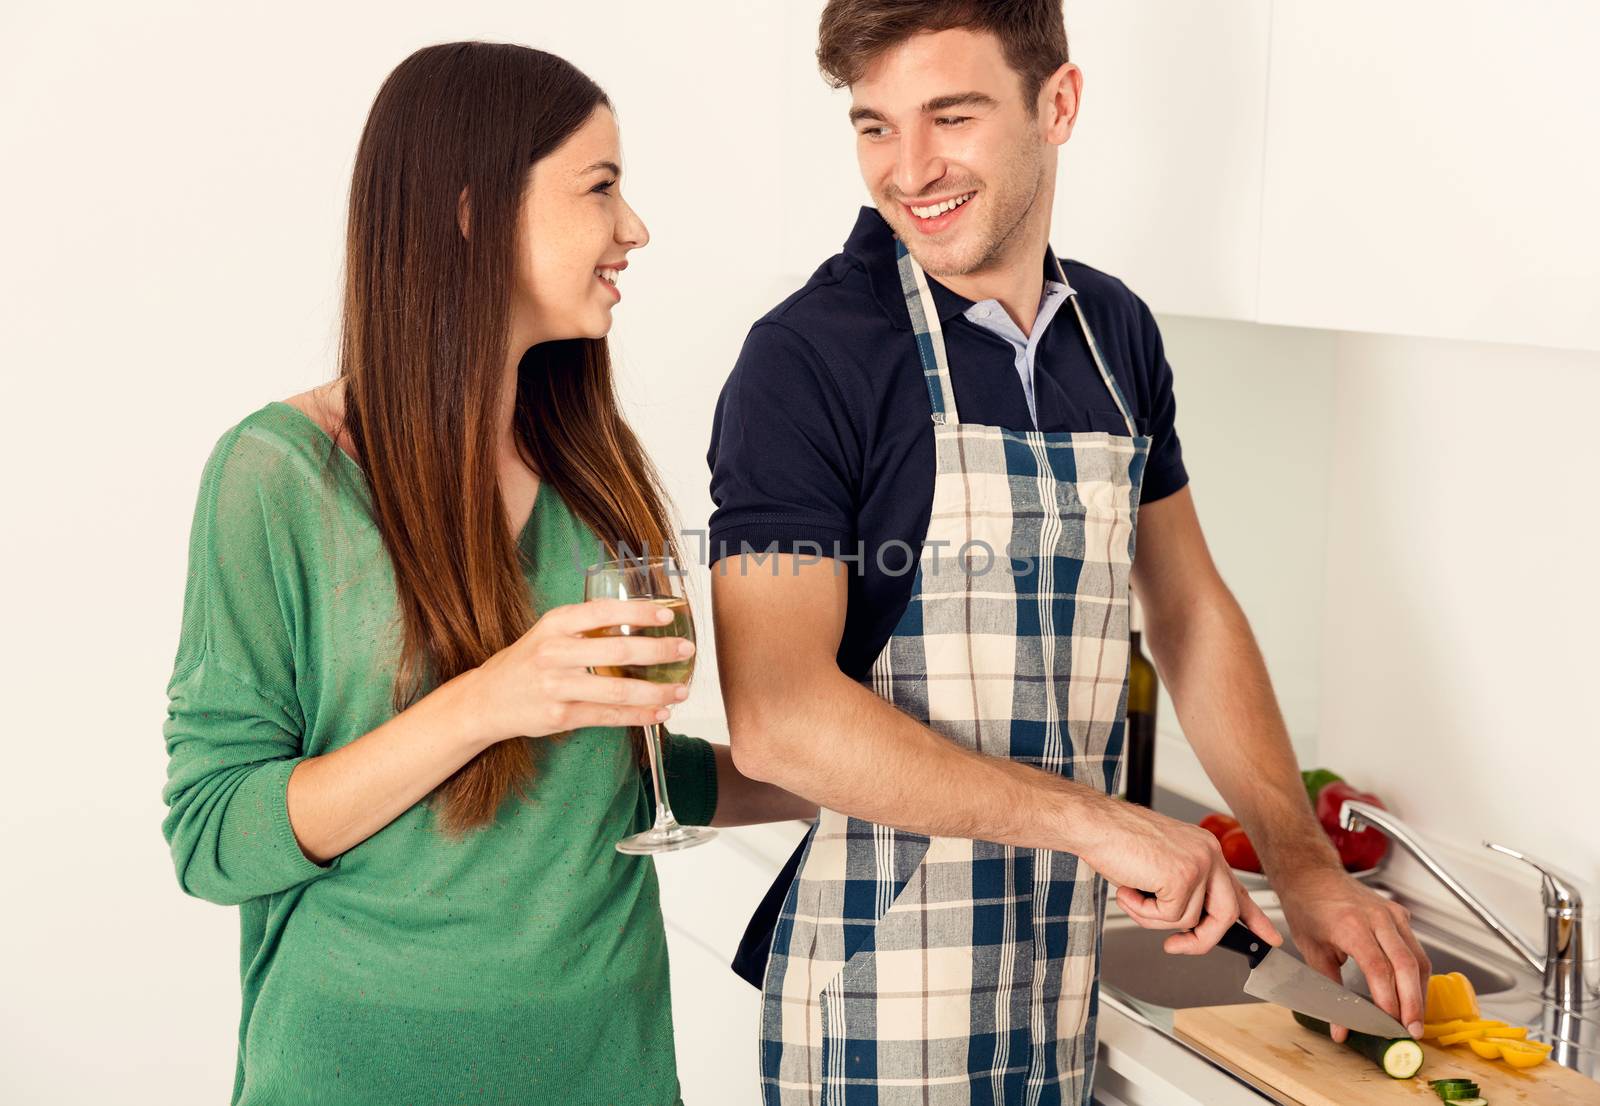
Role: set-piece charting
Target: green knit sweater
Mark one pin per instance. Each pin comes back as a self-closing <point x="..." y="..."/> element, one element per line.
<point x="525" y="963"/>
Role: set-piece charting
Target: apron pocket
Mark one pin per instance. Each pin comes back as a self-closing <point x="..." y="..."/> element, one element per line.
<point x="868" y="899"/>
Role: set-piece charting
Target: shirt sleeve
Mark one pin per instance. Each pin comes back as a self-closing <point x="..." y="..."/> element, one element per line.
<point x="234" y="728"/>
<point x="786" y="457"/>
<point x="691" y="779"/>
<point x="1164" y="471"/>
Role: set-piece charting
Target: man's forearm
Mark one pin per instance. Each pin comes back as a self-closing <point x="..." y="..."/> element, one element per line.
<point x="832" y="740"/>
<point x="1210" y="662"/>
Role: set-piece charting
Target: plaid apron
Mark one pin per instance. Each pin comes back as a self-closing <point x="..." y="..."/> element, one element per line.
<point x="910" y="969"/>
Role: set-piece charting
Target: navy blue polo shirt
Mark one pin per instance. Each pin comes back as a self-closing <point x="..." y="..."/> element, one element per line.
<point x="822" y="441"/>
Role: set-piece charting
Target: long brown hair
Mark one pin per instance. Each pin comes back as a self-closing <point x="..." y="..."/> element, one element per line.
<point x="423" y="347"/>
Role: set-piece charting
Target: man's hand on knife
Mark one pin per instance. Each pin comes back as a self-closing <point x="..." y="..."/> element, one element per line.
<point x="1334" y="917"/>
<point x="1171" y="875"/>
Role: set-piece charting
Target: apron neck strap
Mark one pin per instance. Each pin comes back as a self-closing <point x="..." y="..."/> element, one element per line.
<point x="930" y="338"/>
<point x="930" y="341"/>
<point x="1094" y="351"/>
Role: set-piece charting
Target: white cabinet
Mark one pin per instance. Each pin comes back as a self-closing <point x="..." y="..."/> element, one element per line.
<point x="1428" y="167"/>
<point x="1433" y="168"/>
<point x="1160" y="183"/>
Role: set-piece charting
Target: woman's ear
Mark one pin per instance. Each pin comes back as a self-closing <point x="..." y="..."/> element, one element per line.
<point x="463" y="213"/>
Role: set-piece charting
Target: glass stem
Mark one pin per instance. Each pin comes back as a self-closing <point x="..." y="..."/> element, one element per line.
<point x="665" y="822"/>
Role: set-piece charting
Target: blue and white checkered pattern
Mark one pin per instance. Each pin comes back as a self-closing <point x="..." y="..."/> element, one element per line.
<point x="909" y="969"/>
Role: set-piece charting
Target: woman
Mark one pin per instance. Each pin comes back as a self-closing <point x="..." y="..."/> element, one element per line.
<point x="385" y="743"/>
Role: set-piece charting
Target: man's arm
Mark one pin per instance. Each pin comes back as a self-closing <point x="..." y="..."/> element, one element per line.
<point x="796" y="721"/>
<point x="1207" y="656"/>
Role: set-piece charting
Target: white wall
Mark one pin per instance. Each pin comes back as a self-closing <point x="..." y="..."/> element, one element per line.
<point x="1462" y="598"/>
<point x="1428" y="612"/>
<point x="1258" y="444"/>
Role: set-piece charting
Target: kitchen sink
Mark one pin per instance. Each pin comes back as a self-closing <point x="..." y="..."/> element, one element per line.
<point x="1134" y="963"/>
<point x="1142" y="985"/>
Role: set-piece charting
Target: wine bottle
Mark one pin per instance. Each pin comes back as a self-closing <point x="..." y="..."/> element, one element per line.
<point x="1143" y="686"/>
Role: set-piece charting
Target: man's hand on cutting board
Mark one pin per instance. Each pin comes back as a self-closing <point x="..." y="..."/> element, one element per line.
<point x="1335" y="917"/>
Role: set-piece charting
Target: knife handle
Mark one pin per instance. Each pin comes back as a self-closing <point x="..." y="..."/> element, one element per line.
<point x="1239" y="939"/>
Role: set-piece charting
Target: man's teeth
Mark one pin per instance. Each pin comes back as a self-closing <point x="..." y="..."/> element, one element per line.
<point x="607" y="275"/>
<point x="940" y="209"/>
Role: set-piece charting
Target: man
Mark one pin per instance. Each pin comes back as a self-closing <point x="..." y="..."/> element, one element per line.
<point x="947" y="439"/>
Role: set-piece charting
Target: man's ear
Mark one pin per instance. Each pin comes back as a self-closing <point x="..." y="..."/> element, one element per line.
<point x="463" y="213"/>
<point x="1059" y="97"/>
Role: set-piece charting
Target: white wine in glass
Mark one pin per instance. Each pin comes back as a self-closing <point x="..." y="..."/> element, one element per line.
<point x="657" y="581"/>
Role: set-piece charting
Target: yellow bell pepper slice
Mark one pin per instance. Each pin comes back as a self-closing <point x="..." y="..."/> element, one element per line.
<point x="1521" y="1054"/>
<point x="1460" y="1025"/>
<point x="1429" y="1032"/>
<point x="1487" y="1049"/>
<point x="1523" y="1059"/>
<point x="1464" y="1035"/>
<point x="1450" y="998"/>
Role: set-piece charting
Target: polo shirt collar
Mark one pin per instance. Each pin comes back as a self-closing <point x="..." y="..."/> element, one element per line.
<point x="871" y="245"/>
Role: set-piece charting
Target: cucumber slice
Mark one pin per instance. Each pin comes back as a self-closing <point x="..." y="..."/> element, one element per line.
<point x="1456" y="1093"/>
<point x="1399" y="1057"/>
<point x="1471" y="1102"/>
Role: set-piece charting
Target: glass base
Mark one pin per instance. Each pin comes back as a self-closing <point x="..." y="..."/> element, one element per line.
<point x="668" y="839"/>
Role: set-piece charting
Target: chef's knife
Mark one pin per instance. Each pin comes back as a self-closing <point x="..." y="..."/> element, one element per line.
<point x="1276" y="976"/>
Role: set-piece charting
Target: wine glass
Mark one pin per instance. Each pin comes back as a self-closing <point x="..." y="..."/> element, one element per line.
<point x="656" y="580"/>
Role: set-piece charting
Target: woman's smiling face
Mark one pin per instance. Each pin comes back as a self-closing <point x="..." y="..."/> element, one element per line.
<point x="574" y="233"/>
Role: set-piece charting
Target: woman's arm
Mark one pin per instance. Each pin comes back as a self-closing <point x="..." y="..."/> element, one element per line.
<point x="539" y="685"/>
<point x="338" y="800"/>
<point x="742" y="801"/>
<point x="249" y="814"/>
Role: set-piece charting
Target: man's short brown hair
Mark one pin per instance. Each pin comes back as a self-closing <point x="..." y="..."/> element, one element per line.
<point x="1032" y="33"/>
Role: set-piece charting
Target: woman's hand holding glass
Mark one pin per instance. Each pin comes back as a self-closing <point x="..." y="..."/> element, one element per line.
<point x="541" y="684"/>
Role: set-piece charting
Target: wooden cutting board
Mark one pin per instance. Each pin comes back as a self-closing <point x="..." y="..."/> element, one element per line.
<point x="1264" y="1042"/>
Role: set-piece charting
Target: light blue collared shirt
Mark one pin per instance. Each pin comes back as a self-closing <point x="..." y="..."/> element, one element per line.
<point x="992" y="317"/>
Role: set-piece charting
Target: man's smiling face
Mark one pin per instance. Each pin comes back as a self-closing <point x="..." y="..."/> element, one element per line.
<point x="955" y="157"/>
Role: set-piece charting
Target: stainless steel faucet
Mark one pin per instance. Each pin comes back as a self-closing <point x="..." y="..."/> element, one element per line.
<point x="1561" y="964"/>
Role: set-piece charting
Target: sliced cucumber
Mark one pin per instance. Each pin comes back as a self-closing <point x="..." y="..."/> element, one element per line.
<point x="1459" y="1092"/>
<point x="1399" y="1057"/>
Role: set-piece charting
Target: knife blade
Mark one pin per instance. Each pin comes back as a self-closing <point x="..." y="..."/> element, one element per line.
<point x="1276" y="976"/>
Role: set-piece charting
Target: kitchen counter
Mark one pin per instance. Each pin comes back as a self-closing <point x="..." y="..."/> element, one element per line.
<point x="1138" y="1064"/>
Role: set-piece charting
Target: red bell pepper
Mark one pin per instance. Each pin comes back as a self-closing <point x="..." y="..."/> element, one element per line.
<point x="1218" y="825"/>
<point x="1238" y="852"/>
<point x="1357" y="851"/>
